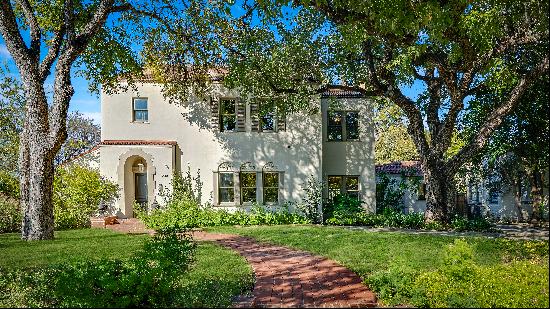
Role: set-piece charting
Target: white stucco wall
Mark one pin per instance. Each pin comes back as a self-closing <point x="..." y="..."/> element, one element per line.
<point x="352" y="157"/>
<point x="296" y="151"/>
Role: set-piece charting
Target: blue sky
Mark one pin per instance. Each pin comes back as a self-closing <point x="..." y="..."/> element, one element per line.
<point x="82" y="101"/>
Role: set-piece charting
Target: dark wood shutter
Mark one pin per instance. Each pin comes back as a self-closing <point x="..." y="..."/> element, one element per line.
<point x="254" y="117"/>
<point x="241" y="115"/>
<point x="215" y="114"/>
<point x="281" y="121"/>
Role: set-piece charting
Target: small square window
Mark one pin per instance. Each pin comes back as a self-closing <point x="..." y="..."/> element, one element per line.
<point x="267" y="122"/>
<point x="140" y="110"/>
<point x="348" y="185"/>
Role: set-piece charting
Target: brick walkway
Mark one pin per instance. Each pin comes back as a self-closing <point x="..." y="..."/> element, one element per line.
<point x="291" y="278"/>
<point x="284" y="277"/>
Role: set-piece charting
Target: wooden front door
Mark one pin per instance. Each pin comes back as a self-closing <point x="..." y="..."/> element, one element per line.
<point x="141" y="188"/>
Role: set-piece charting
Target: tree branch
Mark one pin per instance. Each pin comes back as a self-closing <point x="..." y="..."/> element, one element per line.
<point x="34" y="27"/>
<point x="53" y="52"/>
<point x="493" y="120"/>
<point x="12" y="37"/>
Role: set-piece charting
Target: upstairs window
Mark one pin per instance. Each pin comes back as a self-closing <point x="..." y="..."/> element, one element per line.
<point x="140" y="111"/>
<point x="228" y="115"/>
<point x="267" y="121"/>
<point x="342" y="125"/>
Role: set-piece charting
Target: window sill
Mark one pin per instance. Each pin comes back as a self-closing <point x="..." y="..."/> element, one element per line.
<point x="140" y="122"/>
<point x="337" y="141"/>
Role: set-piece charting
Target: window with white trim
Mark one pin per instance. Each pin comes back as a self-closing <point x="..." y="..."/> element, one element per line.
<point x="140" y="110"/>
<point x="248" y="187"/>
<point x="226" y="187"/>
<point x="270" y="187"/>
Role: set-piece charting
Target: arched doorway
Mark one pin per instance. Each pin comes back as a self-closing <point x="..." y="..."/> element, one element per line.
<point x="136" y="176"/>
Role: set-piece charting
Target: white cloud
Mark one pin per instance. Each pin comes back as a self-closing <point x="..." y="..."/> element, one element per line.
<point x="94" y="116"/>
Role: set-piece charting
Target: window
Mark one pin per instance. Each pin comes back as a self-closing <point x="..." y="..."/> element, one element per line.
<point x="248" y="187"/>
<point x="267" y="122"/>
<point x="343" y="185"/>
<point x="271" y="187"/>
<point x="226" y="187"/>
<point x="493" y="196"/>
<point x="140" y="112"/>
<point x="334" y="127"/>
<point x="228" y="115"/>
<point x="422" y="192"/>
<point x="342" y="125"/>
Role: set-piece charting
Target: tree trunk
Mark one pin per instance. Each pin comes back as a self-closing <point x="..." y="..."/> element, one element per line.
<point x="36" y="169"/>
<point x="517" y="199"/>
<point x="440" y="195"/>
<point x="535" y="177"/>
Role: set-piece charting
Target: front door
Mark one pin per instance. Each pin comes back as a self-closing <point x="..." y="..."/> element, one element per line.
<point x="141" y="188"/>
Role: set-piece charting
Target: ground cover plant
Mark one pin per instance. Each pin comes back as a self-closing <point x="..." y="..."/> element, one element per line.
<point x="426" y="270"/>
<point x="101" y="268"/>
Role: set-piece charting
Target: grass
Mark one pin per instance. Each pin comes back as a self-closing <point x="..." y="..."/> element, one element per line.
<point x="385" y="259"/>
<point x="67" y="246"/>
<point x="215" y="277"/>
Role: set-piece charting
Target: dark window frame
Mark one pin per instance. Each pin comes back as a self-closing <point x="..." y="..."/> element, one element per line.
<point x="222" y="114"/>
<point x="241" y="187"/>
<point x="264" y="187"/>
<point x="220" y="187"/>
<point x="343" y="126"/>
<point x="343" y="188"/>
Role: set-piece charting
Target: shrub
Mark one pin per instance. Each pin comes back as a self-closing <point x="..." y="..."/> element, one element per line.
<point x="462" y="283"/>
<point x="146" y="280"/>
<point x="9" y="185"/>
<point x="459" y="224"/>
<point x="180" y="215"/>
<point x="77" y="193"/>
<point x="313" y="201"/>
<point x="10" y="214"/>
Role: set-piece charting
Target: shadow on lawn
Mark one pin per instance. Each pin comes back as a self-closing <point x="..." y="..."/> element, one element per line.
<point x="145" y="280"/>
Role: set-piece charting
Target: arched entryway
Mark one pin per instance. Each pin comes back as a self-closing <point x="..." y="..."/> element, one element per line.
<point x="136" y="174"/>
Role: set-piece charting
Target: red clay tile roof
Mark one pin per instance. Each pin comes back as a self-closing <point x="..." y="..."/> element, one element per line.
<point x="340" y="93"/>
<point x="397" y="167"/>
<point x="137" y="142"/>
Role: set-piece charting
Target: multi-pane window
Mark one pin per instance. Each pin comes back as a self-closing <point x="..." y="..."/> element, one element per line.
<point x="267" y="121"/>
<point x="343" y="185"/>
<point x="228" y="115"/>
<point x="335" y="121"/>
<point x="248" y="187"/>
<point x="226" y="187"/>
<point x="271" y="187"/>
<point x="342" y="125"/>
<point x="140" y="111"/>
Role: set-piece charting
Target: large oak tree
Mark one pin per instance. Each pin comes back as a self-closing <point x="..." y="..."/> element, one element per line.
<point x="99" y="39"/>
<point x="453" y="51"/>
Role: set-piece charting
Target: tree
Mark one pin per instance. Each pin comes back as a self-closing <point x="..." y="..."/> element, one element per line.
<point x="82" y="135"/>
<point x="456" y="50"/>
<point x="12" y="101"/>
<point x="518" y="152"/>
<point x="96" y="38"/>
<point x="392" y="142"/>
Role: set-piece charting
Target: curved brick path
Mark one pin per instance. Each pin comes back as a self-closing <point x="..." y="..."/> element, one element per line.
<point x="291" y="278"/>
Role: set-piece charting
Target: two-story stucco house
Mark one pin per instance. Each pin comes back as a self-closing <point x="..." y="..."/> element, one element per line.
<point x="245" y="154"/>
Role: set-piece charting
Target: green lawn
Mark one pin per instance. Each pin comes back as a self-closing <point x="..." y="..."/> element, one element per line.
<point x="216" y="275"/>
<point x="390" y="261"/>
